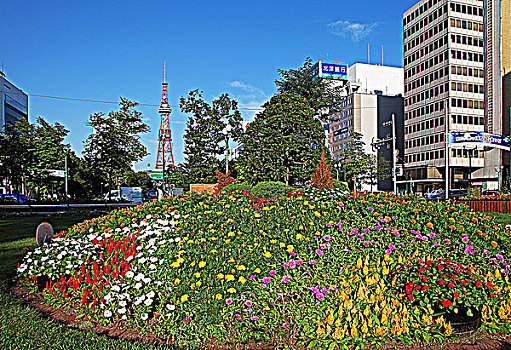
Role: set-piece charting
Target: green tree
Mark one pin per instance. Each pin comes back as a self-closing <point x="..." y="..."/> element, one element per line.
<point x="353" y="158"/>
<point x="29" y="151"/>
<point x="376" y="168"/>
<point x="204" y="141"/>
<point x="283" y="143"/>
<point x="322" y="95"/>
<point x="137" y="179"/>
<point x="114" y="144"/>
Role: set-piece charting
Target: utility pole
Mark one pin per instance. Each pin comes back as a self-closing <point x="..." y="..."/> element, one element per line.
<point x="65" y="173"/>
<point x="394" y="178"/>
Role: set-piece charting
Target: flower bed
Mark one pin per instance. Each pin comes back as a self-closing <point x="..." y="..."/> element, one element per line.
<point x="317" y="268"/>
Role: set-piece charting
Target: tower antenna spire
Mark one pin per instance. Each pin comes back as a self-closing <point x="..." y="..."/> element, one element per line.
<point x="165" y="156"/>
<point x="164" y="71"/>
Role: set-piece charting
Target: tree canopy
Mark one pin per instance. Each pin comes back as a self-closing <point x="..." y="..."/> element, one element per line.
<point x="324" y="96"/>
<point x="204" y="142"/>
<point x="283" y="143"/>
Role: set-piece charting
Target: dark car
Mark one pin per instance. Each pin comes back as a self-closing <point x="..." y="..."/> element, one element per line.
<point x="453" y="194"/>
<point x="14" y="198"/>
<point x="150" y="195"/>
<point x="490" y="193"/>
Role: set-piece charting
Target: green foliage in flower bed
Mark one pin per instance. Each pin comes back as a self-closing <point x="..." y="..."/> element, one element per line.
<point x="316" y="268"/>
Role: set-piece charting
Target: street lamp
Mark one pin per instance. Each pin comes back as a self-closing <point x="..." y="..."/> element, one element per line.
<point x="470" y="153"/>
<point x="376" y="145"/>
<point x="337" y="166"/>
<point x="498" y="170"/>
<point x="226" y="130"/>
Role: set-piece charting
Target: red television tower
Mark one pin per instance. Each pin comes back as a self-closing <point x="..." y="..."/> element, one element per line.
<point x="165" y="157"/>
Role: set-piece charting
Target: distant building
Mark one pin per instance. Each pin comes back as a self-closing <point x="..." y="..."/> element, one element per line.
<point x="13" y="103"/>
<point x="374" y="93"/>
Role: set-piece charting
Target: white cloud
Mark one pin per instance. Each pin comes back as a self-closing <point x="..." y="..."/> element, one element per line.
<point x="357" y="31"/>
<point x="250" y="97"/>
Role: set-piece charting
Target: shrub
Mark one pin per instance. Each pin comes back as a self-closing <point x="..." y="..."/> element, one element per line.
<point x="223" y="180"/>
<point x="236" y="187"/>
<point x="270" y="189"/>
<point x="340" y="185"/>
<point x="322" y="179"/>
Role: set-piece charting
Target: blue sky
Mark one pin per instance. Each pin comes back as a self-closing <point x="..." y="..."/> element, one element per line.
<point x="105" y="49"/>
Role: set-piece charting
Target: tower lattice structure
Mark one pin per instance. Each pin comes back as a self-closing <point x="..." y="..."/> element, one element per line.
<point x="165" y="157"/>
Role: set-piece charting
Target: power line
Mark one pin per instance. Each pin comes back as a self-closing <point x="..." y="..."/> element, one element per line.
<point x="102" y="101"/>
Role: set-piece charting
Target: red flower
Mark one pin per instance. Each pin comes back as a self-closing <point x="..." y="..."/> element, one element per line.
<point x="456" y="295"/>
<point x="446" y="303"/>
<point x="425" y="288"/>
<point x="409" y="288"/>
<point x="442" y="282"/>
<point x="448" y="261"/>
<point x="440" y="267"/>
<point x="410" y="297"/>
<point x="417" y="288"/>
<point x="450" y="285"/>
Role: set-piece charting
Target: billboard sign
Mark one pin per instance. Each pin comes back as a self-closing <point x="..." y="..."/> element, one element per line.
<point x="483" y="138"/>
<point x="331" y="70"/>
<point x="203" y="188"/>
<point x="56" y="172"/>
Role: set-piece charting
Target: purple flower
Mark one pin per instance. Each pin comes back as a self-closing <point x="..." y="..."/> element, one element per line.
<point x="266" y="280"/>
<point x="500" y="257"/>
<point x="366" y="243"/>
<point x="252" y="277"/>
<point x="394" y="218"/>
<point x="291" y="264"/>
<point x="312" y="262"/>
<point x="396" y="233"/>
<point x="378" y="227"/>
<point x="272" y="273"/>
<point x="328" y="225"/>
<point x="292" y="253"/>
<point x="248" y="303"/>
<point x="354" y="231"/>
<point x="424" y="238"/>
<point x="228" y="301"/>
<point x="326" y="238"/>
<point x="285" y="279"/>
<point x="366" y="230"/>
<point x="370" y="208"/>
<point x="319" y="252"/>
<point x="254" y="318"/>
<point x="320" y="296"/>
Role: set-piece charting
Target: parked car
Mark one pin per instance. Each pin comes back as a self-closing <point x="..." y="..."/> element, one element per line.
<point x="490" y="193"/>
<point x="440" y="194"/>
<point x="150" y="195"/>
<point x="14" y="198"/>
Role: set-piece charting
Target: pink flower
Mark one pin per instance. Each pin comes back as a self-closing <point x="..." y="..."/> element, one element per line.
<point x="266" y="280"/>
<point x="285" y="279"/>
<point x="325" y="291"/>
<point x="366" y="243"/>
<point x="388" y="252"/>
<point x="312" y="262"/>
<point x="354" y="231"/>
<point x="299" y="262"/>
<point x="319" y="252"/>
<point x="320" y="296"/>
<point x="291" y="264"/>
<point x="248" y="303"/>
<point x="326" y="237"/>
<point x="465" y="239"/>
<point x="186" y="320"/>
<point x="228" y="301"/>
<point x="272" y="273"/>
<point x="254" y="318"/>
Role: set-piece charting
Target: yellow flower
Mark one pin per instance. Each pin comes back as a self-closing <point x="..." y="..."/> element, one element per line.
<point x="202" y="264"/>
<point x="229" y="278"/>
<point x="184" y="298"/>
<point x="241" y="267"/>
<point x="198" y="284"/>
<point x="290" y="248"/>
<point x="197" y="274"/>
<point x="282" y="245"/>
<point x="242" y="280"/>
<point x="267" y="254"/>
<point x="230" y="234"/>
<point x="257" y="270"/>
<point x="317" y="213"/>
<point x="299" y="236"/>
<point x="218" y="296"/>
<point x="231" y="290"/>
<point x="176" y="281"/>
<point x="220" y="276"/>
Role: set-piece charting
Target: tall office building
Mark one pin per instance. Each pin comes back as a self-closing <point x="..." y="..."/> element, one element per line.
<point x="506" y="69"/>
<point x="13" y="103"/>
<point x="444" y="61"/>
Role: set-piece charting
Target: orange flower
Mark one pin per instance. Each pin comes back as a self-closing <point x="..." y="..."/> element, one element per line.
<point x="429" y="225"/>
<point x="493" y="243"/>
<point x="452" y="227"/>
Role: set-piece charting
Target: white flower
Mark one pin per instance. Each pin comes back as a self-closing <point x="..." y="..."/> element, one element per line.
<point x="107" y="313"/>
<point x="153" y="259"/>
<point x="146" y="280"/>
<point x="129" y="274"/>
<point x="139" y="277"/>
<point x="122" y="303"/>
<point x="122" y="310"/>
<point x="148" y="302"/>
<point x="170" y="307"/>
<point x="138" y="285"/>
<point x="142" y="260"/>
<point x="144" y="316"/>
<point x="116" y="288"/>
<point x="152" y="267"/>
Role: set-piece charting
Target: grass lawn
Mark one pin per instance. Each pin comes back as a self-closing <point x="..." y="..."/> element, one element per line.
<point x="22" y="327"/>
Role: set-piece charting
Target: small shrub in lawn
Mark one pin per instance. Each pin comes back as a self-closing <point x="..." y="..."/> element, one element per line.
<point x="316" y="268"/>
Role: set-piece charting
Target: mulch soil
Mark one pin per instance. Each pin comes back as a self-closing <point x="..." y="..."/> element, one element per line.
<point x="467" y="341"/>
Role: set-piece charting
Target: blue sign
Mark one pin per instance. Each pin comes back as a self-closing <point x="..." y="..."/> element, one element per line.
<point x="332" y="70"/>
<point x="490" y="140"/>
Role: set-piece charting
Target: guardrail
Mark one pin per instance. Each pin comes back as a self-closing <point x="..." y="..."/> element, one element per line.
<point x="487" y="206"/>
<point x="50" y="208"/>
